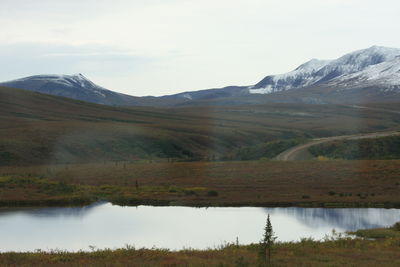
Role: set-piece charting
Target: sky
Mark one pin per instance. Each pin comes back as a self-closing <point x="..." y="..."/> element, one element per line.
<point x="159" y="47"/>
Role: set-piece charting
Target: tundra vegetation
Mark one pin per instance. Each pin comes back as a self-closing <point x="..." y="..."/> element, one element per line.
<point x="372" y="247"/>
<point x="365" y="149"/>
<point x="57" y="151"/>
<point x="368" y="183"/>
<point x="39" y="129"/>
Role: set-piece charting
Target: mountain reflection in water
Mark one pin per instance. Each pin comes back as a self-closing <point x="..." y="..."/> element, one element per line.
<point x="344" y="218"/>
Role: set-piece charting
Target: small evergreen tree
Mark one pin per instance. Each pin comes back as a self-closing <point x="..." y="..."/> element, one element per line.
<point x="137" y="185"/>
<point x="267" y="243"/>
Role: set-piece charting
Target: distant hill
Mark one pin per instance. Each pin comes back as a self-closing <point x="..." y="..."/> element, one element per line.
<point x="39" y="128"/>
<point x="370" y="75"/>
<point x="80" y="88"/>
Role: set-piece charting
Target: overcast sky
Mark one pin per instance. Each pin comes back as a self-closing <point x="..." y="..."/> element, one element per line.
<point x="158" y="47"/>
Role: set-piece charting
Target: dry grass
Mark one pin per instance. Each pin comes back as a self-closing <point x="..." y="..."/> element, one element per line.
<point x="334" y="251"/>
<point x="43" y="129"/>
<point x="236" y="183"/>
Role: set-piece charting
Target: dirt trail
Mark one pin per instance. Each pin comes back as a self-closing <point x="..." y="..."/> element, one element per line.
<point x="376" y="109"/>
<point x="295" y="152"/>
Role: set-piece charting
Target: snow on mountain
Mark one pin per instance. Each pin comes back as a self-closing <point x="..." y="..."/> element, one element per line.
<point x="70" y="81"/>
<point x="302" y="76"/>
<point x="72" y="86"/>
<point x="317" y="72"/>
<point x="384" y="75"/>
<point x="373" y="73"/>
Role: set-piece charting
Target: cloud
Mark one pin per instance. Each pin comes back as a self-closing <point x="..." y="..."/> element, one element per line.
<point x="166" y="46"/>
<point x="23" y="59"/>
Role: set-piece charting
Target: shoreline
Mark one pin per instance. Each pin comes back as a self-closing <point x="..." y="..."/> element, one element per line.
<point x="193" y="204"/>
<point x="369" y="247"/>
<point x="329" y="184"/>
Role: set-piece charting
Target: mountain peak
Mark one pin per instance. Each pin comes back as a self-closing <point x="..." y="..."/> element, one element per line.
<point x="371" y="72"/>
<point x="317" y="71"/>
<point x="79" y="75"/>
<point x="379" y="48"/>
<point x="370" y="56"/>
<point x="53" y="77"/>
<point x="74" y="86"/>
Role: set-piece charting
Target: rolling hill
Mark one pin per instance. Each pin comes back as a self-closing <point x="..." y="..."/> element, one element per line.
<point x="44" y="129"/>
<point x="80" y="88"/>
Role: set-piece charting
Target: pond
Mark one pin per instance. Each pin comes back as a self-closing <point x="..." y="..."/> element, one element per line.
<point x="104" y="225"/>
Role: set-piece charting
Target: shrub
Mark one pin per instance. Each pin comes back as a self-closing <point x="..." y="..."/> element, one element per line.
<point x="212" y="193"/>
<point x="240" y="262"/>
<point x="189" y="192"/>
<point x="396" y="226"/>
<point x="322" y="158"/>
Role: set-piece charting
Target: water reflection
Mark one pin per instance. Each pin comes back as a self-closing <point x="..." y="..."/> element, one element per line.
<point x="347" y="219"/>
<point x="77" y="212"/>
<point x="106" y="226"/>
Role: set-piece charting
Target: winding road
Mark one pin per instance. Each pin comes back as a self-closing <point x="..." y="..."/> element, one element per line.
<point x="295" y="153"/>
<point x="298" y="152"/>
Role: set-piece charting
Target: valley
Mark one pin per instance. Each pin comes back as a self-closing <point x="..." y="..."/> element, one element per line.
<point x="58" y="151"/>
<point x="199" y="133"/>
<point x="43" y="129"/>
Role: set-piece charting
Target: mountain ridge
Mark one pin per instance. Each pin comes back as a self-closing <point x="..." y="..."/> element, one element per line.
<point x="326" y="70"/>
<point x="371" y="74"/>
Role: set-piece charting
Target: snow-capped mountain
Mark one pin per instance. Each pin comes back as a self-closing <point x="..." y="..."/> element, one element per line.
<point x="48" y="82"/>
<point x="364" y="62"/>
<point x="72" y="86"/>
<point x="368" y="75"/>
<point x="304" y="75"/>
<point x="383" y="75"/>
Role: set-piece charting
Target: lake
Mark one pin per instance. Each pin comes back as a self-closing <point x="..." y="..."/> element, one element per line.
<point x="104" y="225"/>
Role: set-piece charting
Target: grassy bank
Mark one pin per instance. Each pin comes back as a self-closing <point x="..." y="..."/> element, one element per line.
<point x="367" y="149"/>
<point x="250" y="183"/>
<point x="334" y="250"/>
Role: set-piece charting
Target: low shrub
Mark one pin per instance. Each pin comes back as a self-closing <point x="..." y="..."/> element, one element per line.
<point x="212" y="193"/>
<point x="396" y="226"/>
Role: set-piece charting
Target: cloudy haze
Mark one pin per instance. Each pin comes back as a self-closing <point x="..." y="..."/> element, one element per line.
<point x="157" y="47"/>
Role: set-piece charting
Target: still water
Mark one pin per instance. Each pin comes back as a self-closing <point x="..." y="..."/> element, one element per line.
<point x="107" y="226"/>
